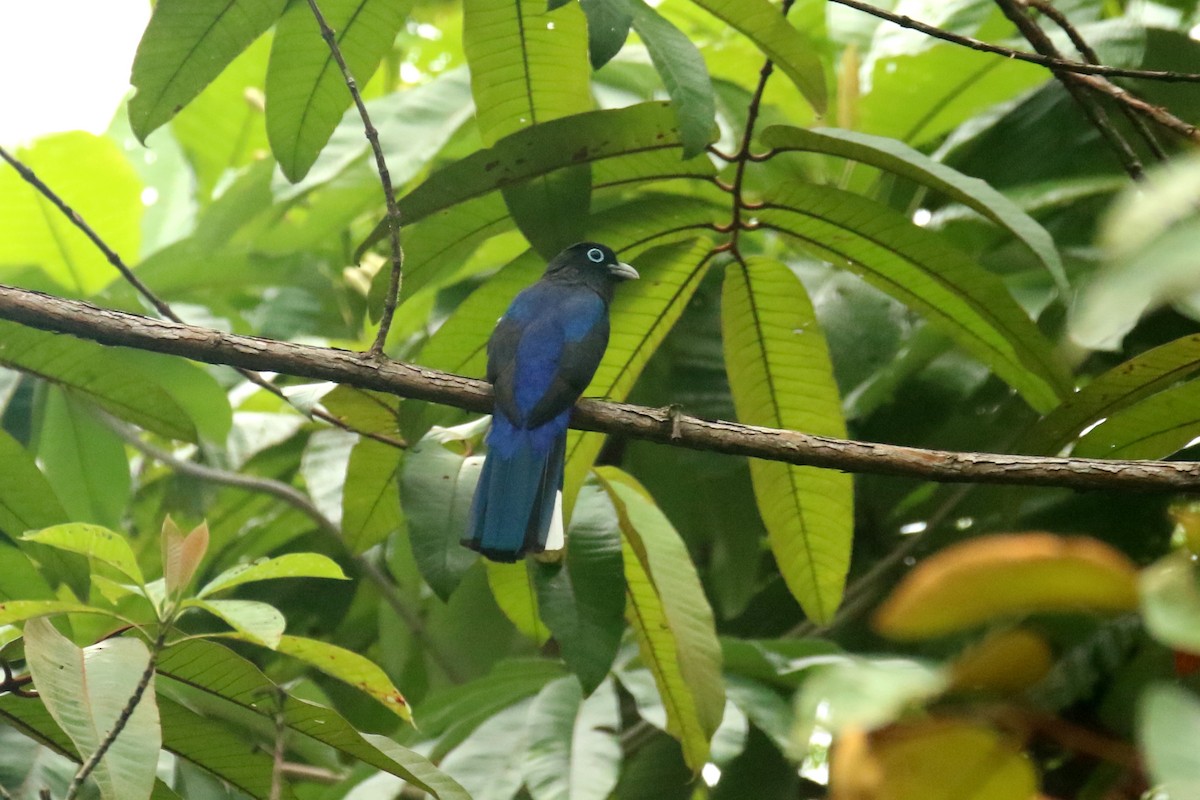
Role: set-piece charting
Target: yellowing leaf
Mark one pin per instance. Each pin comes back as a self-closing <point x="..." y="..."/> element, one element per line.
<point x="994" y="577"/>
<point x="781" y="376"/>
<point x="1007" y="661"/>
<point x="670" y="617"/>
<point x="92" y="541"/>
<point x="931" y="760"/>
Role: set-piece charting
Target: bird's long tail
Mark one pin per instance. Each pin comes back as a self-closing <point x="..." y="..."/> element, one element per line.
<point x="518" y="502"/>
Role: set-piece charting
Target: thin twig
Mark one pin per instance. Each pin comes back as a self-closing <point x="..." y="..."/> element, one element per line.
<point x="278" y="753"/>
<point x="393" y="210"/>
<point x="122" y="719"/>
<point x="122" y="329"/>
<point x="1016" y="13"/>
<point x="1092" y="57"/>
<point x="300" y="501"/>
<point x="1018" y="55"/>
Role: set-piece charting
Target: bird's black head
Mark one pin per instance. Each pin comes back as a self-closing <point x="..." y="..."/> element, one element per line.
<point x="590" y="263"/>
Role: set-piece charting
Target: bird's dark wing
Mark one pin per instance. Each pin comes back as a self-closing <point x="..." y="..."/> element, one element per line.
<point x="545" y="350"/>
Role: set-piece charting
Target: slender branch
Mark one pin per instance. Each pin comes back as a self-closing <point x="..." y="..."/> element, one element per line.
<point x="393" y="210"/>
<point x="1016" y="13"/>
<point x="122" y="719"/>
<point x="160" y="305"/>
<point x="1090" y="56"/>
<point x="1018" y="55"/>
<point x="665" y="426"/>
<point x="300" y="501"/>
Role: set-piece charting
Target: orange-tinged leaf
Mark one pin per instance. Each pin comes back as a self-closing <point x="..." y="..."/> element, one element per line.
<point x="1006" y="662"/>
<point x="181" y="555"/>
<point x="931" y="760"/>
<point x="995" y="577"/>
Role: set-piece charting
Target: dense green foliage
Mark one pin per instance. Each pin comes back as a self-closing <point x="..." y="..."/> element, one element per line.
<point x="893" y="237"/>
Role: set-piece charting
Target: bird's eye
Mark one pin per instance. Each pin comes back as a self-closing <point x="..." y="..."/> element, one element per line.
<point x="595" y="255"/>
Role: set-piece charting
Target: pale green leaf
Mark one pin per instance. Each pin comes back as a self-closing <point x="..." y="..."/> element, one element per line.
<point x="781" y="377"/>
<point x="370" y="501"/>
<point x="85" y="691"/>
<point x="291" y="565"/>
<point x="437" y="482"/>
<point x="899" y="159"/>
<point x="488" y="762"/>
<point x="670" y="617"/>
<point x="1169" y="726"/>
<point x="260" y="623"/>
<point x="919" y="268"/>
<point x="1170" y="600"/>
<point x="33" y="232"/>
<point x="20" y="610"/>
<point x="185" y="46"/>
<point x="92" y="541"/>
<point x="306" y="91"/>
<point x="574" y="752"/>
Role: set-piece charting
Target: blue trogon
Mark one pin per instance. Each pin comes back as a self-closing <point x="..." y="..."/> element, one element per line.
<point x="541" y="357"/>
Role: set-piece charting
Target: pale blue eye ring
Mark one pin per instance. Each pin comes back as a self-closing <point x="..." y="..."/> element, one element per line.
<point x="595" y="255"/>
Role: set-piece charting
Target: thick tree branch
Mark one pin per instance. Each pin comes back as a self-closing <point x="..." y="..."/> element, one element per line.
<point x="659" y="425"/>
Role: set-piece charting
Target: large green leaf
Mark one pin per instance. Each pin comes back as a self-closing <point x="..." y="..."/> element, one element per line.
<point x="107" y="195"/>
<point x="224" y="127"/>
<point x="86" y="691"/>
<point x="595" y="137"/>
<point x="488" y="761"/>
<point x="900" y="159"/>
<point x="528" y="65"/>
<point x="260" y="623"/>
<point x="640" y="318"/>
<point x="574" y="752"/>
<point x="21" y="610"/>
<point x="513" y="589"/>
<point x="1156" y="427"/>
<point x="1124" y="385"/>
<point x="436" y="485"/>
<point x="582" y="598"/>
<point x="781" y="377"/>
<point x="94" y="542"/>
<point x="791" y="50"/>
<point x="218" y="748"/>
<point x="306" y="91"/>
<point x="291" y="565"/>
<point x="83" y="459"/>
<point x="215" y="669"/>
<point x="919" y="268"/>
<point x="350" y="667"/>
<point x="670" y="617"/>
<point x="185" y="46"/>
<point x="27" y="499"/>
<point x="101" y="374"/>
<point x="370" y="502"/>
<point x="608" y="27"/>
<point x="684" y="74"/>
